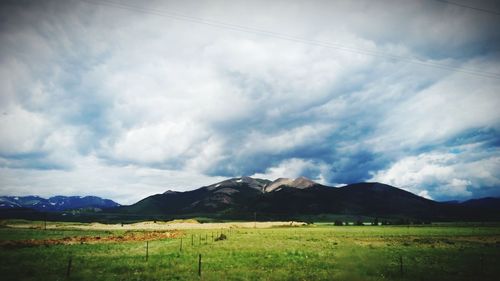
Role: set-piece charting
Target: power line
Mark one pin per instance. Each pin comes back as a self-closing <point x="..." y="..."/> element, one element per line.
<point x="469" y="7"/>
<point x="252" y="30"/>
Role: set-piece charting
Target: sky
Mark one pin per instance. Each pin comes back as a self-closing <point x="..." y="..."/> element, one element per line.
<point x="125" y="99"/>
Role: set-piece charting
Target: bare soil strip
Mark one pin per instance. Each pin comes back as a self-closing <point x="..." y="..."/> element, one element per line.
<point x="159" y="225"/>
<point x="130" y="236"/>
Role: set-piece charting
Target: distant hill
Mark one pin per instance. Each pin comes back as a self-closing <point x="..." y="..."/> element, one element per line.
<point x="287" y="198"/>
<point x="56" y="203"/>
<point x="484" y="203"/>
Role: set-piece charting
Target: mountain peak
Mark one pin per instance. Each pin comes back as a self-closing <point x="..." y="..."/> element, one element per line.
<point x="300" y="183"/>
<point x="255" y="183"/>
<point x="170" y="192"/>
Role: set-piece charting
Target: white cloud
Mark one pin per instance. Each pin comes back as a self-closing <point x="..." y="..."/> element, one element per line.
<point x="125" y="184"/>
<point x="413" y="171"/>
<point x="276" y="143"/>
<point x="425" y="194"/>
<point x="161" y="142"/>
<point x="441" y="175"/>
<point x="22" y="131"/>
<point x="294" y="168"/>
<point x="437" y="113"/>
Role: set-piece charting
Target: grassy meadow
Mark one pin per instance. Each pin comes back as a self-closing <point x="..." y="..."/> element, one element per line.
<point x="311" y="252"/>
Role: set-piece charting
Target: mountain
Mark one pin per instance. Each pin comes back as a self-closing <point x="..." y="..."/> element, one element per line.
<point x="284" y="198"/>
<point x="56" y="203"/>
<point x="237" y="193"/>
<point x="369" y="199"/>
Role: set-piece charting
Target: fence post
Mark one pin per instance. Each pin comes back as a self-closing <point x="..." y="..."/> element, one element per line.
<point x="199" y="265"/>
<point x="147" y="250"/>
<point x="481" y="265"/>
<point x="192" y="240"/>
<point x="68" y="271"/>
<point x="181" y="246"/>
<point x="401" y="265"/>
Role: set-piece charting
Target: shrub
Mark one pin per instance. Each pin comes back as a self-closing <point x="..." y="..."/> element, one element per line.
<point x="221" y="237"/>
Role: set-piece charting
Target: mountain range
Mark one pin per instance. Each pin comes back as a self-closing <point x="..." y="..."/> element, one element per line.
<point x="56" y="203"/>
<point x="245" y="197"/>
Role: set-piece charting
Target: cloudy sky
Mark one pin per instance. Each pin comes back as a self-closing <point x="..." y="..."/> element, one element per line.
<point x="124" y="99"/>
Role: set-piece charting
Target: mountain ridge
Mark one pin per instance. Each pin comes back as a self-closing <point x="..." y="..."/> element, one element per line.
<point x="56" y="203"/>
<point x="242" y="197"/>
<point x="284" y="198"/>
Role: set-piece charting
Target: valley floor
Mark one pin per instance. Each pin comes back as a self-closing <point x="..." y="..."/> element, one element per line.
<point x="281" y="252"/>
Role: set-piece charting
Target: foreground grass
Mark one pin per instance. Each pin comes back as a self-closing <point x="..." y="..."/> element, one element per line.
<point x="295" y="253"/>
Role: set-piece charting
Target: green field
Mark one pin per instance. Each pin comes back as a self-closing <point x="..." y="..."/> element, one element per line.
<point x="312" y="252"/>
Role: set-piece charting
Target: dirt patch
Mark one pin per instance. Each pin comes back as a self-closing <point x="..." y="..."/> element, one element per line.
<point x="158" y="225"/>
<point x="129" y="236"/>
